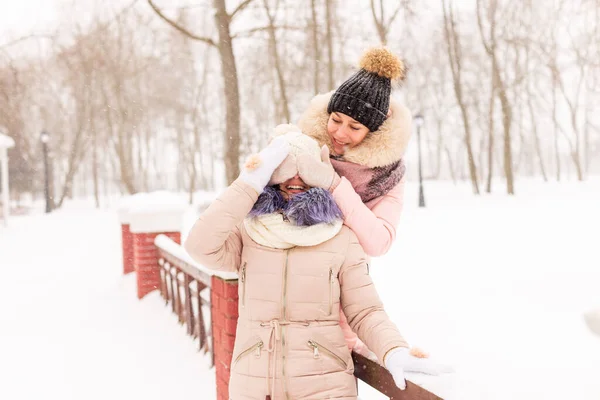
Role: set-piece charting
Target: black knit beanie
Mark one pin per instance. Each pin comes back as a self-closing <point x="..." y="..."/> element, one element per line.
<point x="365" y="96"/>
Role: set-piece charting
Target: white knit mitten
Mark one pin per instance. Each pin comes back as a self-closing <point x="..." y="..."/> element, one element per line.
<point x="592" y="318"/>
<point x="317" y="173"/>
<point x="259" y="167"/>
<point x="399" y="360"/>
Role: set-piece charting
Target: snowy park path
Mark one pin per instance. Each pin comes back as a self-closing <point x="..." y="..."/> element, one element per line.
<point x="71" y="325"/>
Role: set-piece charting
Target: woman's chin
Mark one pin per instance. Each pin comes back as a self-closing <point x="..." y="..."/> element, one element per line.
<point x="339" y="150"/>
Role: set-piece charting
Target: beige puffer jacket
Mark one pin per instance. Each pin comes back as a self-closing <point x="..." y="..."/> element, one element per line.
<point x="289" y="342"/>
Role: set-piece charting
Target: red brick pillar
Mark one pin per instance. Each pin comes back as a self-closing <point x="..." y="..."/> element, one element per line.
<point x="127" y="245"/>
<point x="224" y="315"/>
<point x="126" y="239"/>
<point x="145" y="260"/>
<point x="148" y="219"/>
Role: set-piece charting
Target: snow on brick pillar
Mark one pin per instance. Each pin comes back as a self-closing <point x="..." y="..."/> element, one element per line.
<point x="224" y="316"/>
<point x="151" y="215"/>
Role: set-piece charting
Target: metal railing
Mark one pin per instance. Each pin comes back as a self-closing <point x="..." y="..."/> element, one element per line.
<point x="380" y="379"/>
<point x="184" y="286"/>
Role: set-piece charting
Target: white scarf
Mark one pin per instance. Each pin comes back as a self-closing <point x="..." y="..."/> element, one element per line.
<point x="272" y="230"/>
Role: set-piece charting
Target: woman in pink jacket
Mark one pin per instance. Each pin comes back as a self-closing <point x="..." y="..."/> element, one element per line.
<point x="298" y="265"/>
<point x="367" y="134"/>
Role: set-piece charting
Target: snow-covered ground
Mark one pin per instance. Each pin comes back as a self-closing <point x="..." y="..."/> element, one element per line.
<point x="498" y="285"/>
<point x="71" y="325"/>
<point x="494" y="285"/>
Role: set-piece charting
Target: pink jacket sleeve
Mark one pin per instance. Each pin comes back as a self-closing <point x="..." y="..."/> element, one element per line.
<point x="375" y="227"/>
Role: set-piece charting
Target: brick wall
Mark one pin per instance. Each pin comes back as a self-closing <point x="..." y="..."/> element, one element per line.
<point x="224" y="315"/>
<point x="127" y="246"/>
<point x="145" y="260"/>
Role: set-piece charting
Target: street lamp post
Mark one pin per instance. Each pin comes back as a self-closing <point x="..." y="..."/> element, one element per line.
<point x="44" y="138"/>
<point x="419" y="122"/>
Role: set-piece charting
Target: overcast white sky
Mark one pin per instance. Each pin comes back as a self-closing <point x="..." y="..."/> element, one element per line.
<point x="22" y="17"/>
<point x="19" y="18"/>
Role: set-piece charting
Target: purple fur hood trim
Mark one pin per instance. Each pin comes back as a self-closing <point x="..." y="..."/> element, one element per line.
<point x="269" y="201"/>
<point x="312" y="207"/>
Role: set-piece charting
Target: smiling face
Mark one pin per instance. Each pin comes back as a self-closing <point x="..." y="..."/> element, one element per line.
<point x="292" y="187"/>
<point x="344" y="132"/>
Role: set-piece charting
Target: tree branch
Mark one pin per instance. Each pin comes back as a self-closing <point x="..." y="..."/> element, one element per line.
<point x="265" y="28"/>
<point x="377" y="21"/>
<point x="394" y="15"/>
<point x="448" y="36"/>
<point x="388" y="25"/>
<point x="24" y="38"/>
<point x="180" y="28"/>
<point x="480" y="24"/>
<point x="240" y="7"/>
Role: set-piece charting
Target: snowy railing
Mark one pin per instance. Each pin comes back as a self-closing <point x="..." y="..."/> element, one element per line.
<point x="381" y="380"/>
<point x="185" y="284"/>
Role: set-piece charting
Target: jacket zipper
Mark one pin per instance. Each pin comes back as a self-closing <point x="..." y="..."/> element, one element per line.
<point x="316" y="347"/>
<point x="285" y="272"/>
<point x="330" y="291"/>
<point x="257" y="347"/>
<point x="243" y="279"/>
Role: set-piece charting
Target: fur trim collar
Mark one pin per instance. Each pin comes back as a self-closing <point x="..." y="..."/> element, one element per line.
<point x="380" y="148"/>
<point x="316" y="206"/>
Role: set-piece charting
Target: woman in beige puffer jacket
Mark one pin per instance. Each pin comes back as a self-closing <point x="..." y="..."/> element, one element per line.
<point x="293" y="279"/>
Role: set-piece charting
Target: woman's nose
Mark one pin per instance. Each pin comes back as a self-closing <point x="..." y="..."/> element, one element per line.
<point x="343" y="132"/>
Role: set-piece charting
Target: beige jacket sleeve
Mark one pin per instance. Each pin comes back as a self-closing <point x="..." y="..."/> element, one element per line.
<point x="215" y="240"/>
<point x="362" y="304"/>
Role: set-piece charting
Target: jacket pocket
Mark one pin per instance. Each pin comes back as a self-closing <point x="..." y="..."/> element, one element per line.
<point x="331" y="281"/>
<point x="319" y="348"/>
<point x="243" y="281"/>
<point x="255" y="349"/>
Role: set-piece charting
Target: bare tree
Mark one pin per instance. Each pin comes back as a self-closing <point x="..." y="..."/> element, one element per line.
<point x="79" y="68"/>
<point x="555" y="124"/>
<point x="277" y="59"/>
<point x="144" y="110"/>
<point x="329" y="38"/>
<point x="573" y="103"/>
<point x="224" y="44"/>
<point x="491" y="47"/>
<point x="490" y="149"/>
<point x="315" y="44"/>
<point x="383" y="24"/>
<point x="534" y="121"/>
<point x="454" y="52"/>
<point x="14" y="87"/>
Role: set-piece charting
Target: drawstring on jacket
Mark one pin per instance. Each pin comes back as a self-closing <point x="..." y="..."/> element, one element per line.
<point x="274" y="339"/>
<point x="272" y="348"/>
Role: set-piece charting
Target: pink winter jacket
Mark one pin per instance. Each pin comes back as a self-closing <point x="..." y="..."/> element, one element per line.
<point x="289" y="343"/>
<point x="375" y="222"/>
